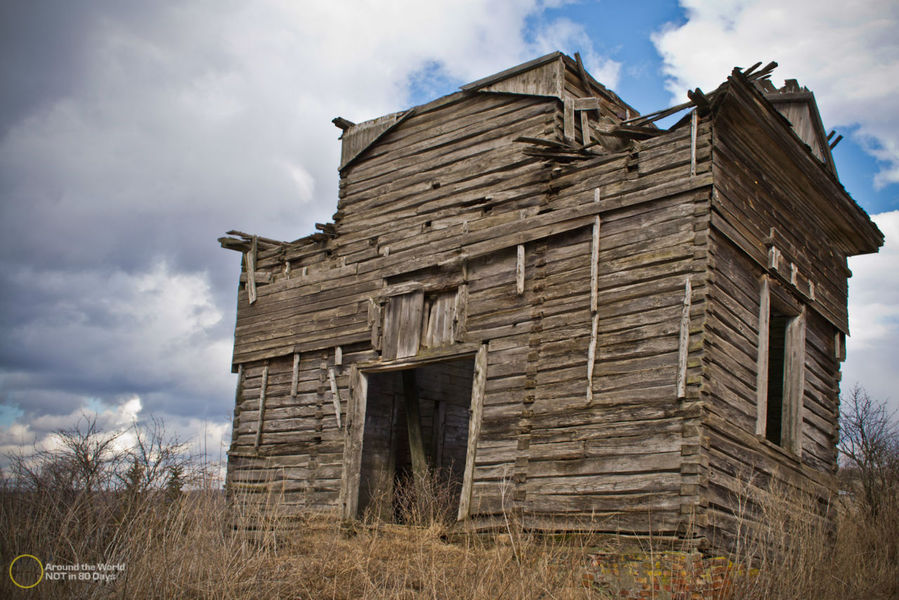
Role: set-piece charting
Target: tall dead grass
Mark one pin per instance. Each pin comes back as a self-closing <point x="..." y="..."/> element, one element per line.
<point x="200" y="544"/>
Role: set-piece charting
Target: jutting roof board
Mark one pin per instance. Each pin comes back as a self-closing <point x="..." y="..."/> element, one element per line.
<point x="559" y="308"/>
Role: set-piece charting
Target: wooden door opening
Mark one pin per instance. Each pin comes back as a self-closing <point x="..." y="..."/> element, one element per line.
<point x="415" y="439"/>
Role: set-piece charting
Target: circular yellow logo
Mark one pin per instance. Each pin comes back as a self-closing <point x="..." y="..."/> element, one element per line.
<point x="39" y="564"/>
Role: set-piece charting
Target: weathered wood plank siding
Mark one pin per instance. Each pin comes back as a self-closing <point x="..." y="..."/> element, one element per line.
<point x="584" y="322"/>
<point x="763" y="198"/>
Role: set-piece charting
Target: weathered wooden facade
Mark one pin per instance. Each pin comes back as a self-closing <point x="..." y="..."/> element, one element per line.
<point x="577" y="316"/>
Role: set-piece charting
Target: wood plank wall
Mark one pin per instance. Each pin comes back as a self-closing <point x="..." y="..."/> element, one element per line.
<point x="751" y="197"/>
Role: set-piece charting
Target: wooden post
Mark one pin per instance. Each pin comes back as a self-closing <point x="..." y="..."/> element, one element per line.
<point x="585" y="127"/>
<point x="794" y="385"/>
<point x="683" y="345"/>
<point x="295" y="377"/>
<point x="238" y="396"/>
<point x="519" y="271"/>
<point x="591" y="356"/>
<point x="594" y="302"/>
<point x="478" y="386"/>
<point x="568" y="119"/>
<point x="258" y="439"/>
<point x="761" y="377"/>
<point x="250" y="258"/>
<point x="352" y="453"/>
<point x="338" y="356"/>
<point x="335" y="395"/>
<point x="694" y="127"/>
<point x="594" y="267"/>
<point x="413" y="427"/>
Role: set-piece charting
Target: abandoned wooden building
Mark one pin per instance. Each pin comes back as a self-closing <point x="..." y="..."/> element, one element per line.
<point x="567" y="311"/>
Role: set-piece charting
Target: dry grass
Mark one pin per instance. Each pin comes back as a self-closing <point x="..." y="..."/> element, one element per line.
<point x="187" y="548"/>
<point x="197" y="544"/>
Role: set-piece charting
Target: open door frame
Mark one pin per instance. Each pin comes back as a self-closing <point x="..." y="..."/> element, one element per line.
<point x="355" y="426"/>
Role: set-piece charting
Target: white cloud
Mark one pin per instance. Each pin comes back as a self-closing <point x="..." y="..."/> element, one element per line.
<point x="846" y="53"/>
<point x="874" y="316"/>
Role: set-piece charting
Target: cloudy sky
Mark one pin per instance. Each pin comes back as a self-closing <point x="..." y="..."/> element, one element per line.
<point x="133" y="134"/>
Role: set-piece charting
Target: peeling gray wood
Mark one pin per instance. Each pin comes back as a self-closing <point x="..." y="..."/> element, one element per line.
<point x="338" y="356"/>
<point x="694" y="128"/>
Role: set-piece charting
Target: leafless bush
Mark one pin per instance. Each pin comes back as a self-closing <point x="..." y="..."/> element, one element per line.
<point x="869" y="444"/>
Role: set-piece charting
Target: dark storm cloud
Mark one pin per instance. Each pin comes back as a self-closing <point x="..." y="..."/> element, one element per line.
<point x="133" y="134"/>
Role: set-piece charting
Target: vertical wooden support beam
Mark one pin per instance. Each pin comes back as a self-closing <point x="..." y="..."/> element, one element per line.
<point x="594" y="302"/>
<point x="684" y="342"/>
<point x="261" y="407"/>
<point x="460" y="319"/>
<point x="478" y="387"/>
<point x="238" y="392"/>
<point x="374" y="322"/>
<point x="295" y="375"/>
<point x="352" y="453"/>
<point x="594" y="267"/>
<point x="694" y="130"/>
<point x="238" y="397"/>
<point x="439" y="435"/>
<point x="335" y="394"/>
<point x="585" y="127"/>
<point x="794" y="384"/>
<point x="761" y="377"/>
<point x="250" y="257"/>
<point x="591" y="356"/>
<point x="839" y="346"/>
<point x="519" y="271"/>
<point x="413" y="426"/>
<point x="568" y="119"/>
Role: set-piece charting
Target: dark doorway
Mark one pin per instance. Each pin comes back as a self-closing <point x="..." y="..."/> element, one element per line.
<point x="415" y="439"/>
